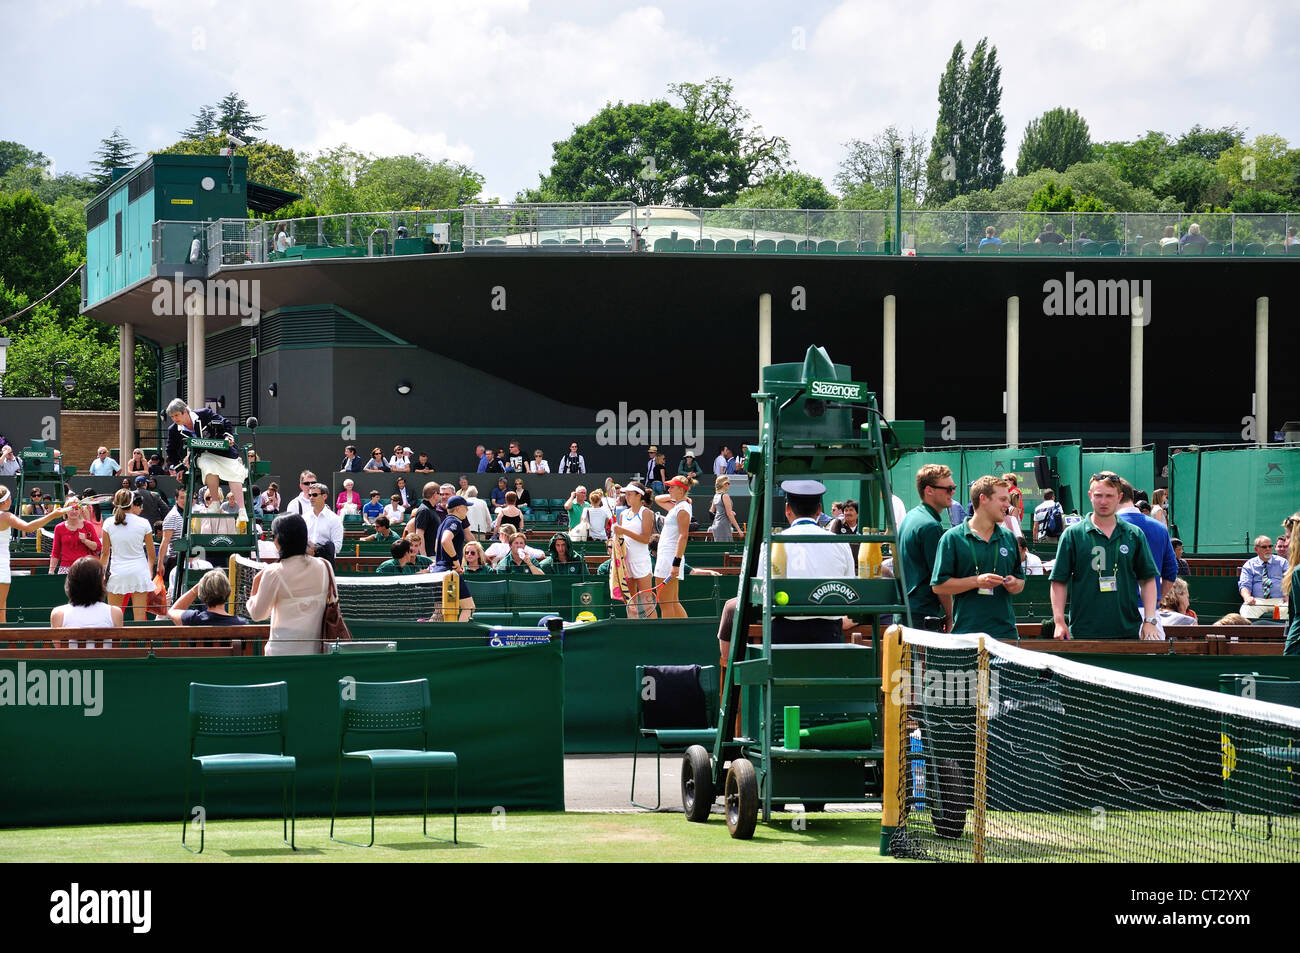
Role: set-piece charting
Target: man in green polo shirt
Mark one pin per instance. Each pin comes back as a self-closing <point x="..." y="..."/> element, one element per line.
<point x="404" y="562"/>
<point x="918" y="542"/>
<point x="1099" y="562"/>
<point x="978" y="564"/>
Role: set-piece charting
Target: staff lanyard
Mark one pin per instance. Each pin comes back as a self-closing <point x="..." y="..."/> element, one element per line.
<point x="803" y="519"/>
<point x="975" y="558"/>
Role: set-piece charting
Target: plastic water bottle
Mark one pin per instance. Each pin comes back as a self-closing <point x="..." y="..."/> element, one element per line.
<point x="870" y="558"/>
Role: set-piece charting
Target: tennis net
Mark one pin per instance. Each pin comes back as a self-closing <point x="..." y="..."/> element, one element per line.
<point x="410" y="598"/>
<point x="1006" y="754"/>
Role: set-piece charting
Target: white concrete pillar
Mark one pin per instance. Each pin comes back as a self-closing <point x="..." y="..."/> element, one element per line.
<point x="1013" y="371"/>
<point x="764" y="344"/>
<point x="126" y="393"/>
<point x="1262" y="432"/>
<point x="889" y="374"/>
<point x="197" y="349"/>
<point x="1137" y="322"/>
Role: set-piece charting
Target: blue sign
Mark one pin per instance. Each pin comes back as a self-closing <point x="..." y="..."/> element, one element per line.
<point x="504" y="637"/>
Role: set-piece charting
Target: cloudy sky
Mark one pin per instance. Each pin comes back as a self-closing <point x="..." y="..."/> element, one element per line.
<point x="494" y="82"/>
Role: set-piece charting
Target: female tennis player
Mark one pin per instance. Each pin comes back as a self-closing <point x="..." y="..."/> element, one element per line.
<point x="636" y="525"/>
<point x="669" y="567"/>
<point x="9" y="523"/>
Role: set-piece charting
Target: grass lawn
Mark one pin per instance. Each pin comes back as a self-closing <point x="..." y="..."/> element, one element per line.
<point x="483" y="837"/>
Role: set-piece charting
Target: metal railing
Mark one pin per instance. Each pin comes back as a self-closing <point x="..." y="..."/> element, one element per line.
<point x="613" y="224"/>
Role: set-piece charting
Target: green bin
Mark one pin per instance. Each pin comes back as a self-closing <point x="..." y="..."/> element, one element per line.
<point x="590" y="597"/>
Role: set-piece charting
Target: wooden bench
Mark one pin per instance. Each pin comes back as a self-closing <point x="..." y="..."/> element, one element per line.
<point x="136" y="641"/>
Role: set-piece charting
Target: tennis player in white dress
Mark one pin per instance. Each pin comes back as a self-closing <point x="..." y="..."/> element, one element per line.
<point x="9" y="523"/>
<point x="129" y="554"/>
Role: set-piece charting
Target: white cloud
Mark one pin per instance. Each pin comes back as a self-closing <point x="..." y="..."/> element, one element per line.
<point x="382" y="135"/>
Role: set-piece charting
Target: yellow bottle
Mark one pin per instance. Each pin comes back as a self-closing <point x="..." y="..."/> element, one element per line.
<point x="778" y="558"/>
<point x="870" y="557"/>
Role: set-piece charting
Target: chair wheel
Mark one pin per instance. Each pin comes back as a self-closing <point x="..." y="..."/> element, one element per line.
<point x="741" y="799"/>
<point x="697" y="783"/>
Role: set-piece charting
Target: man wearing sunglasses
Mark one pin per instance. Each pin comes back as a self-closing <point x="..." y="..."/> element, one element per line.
<point x="324" y="527"/>
<point x="918" y="543"/>
<point x="1261" y="575"/>
<point x="1099" y="564"/>
<point x="301" y="504"/>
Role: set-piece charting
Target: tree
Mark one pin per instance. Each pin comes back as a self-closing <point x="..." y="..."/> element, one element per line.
<point x="1138" y="162"/>
<point x="268" y="163"/>
<point x="205" y="124"/>
<point x="115" y="152"/>
<point x="1266" y="164"/>
<point x="1055" y="140"/>
<point x="787" y="190"/>
<point x="234" y="118"/>
<point x="411" y="182"/>
<point x="1193" y="181"/>
<point x="329" y="180"/>
<point x="1049" y="198"/>
<point x="647" y="153"/>
<point x="33" y="258"/>
<point x="872" y="163"/>
<point x="713" y="103"/>
<point x="970" y="134"/>
<point x="1207" y="144"/>
<point x="15" y="155"/>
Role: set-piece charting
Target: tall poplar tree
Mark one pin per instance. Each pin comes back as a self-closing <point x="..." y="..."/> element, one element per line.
<point x="970" y="134"/>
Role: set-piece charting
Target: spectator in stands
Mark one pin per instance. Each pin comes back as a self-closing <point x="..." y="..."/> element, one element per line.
<point x="291" y="592"/>
<point x="348" y="497"/>
<point x="102" y="465"/>
<point x="1099" y="563"/>
<point x="517" y="560"/>
<point x="539" y="463"/>
<point x="475" y="562"/>
<point x="87" y="607"/>
<point x="1049" y="518"/>
<point x="1175" y="607"/>
<point x="510" y="512"/>
<point x="373" y="509"/>
<point x="499" y="493"/>
<point x="724" y="514"/>
<point x="501" y="547"/>
<point x="9" y="464"/>
<point x="462" y="485"/>
<point x="422" y="464"/>
<point x="1032" y="563"/>
<point x="689" y="468"/>
<point x="1169" y="237"/>
<point x="137" y="465"/>
<point x="427" y="518"/>
<point x="383" y="532"/>
<point x="1261" y="576"/>
<point x="990" y="237"/>
<point x="522" y="497"/>
<point x="480" y="517"/>
<point x="1234" y="618"/>
<point x="1049" y="236"/>
<point x="919" y="533"/>
<point x="156" y="467"/>
<point x="561" y="560"/>
<point x="377" y="461"/>
<point x="1162" y="550"/>
<point x="1016" y="498"/>
<point x="301" y="504"/>
<point x="648" y="467"/>
<point x="573" y="462"/>
<point x="403" y="562"/>
<point x="575" y="504"/>
<point x="269" y="502"/>
<point x="212" y="594"/>
<point x="408" y="503"/>
<point x="597" y="515"/>
<point x="659" y="470"/>
<point x="483" y="461"/>
<point x="351" y="462"/>
<point x="154" y="507"/>
<point x="324" y="528"/>
<point x="720" y="461"/>
<point x="1159" y="510"/>
<point x="73" y="539"/>
<point x="738" y="462"/>
<point x="401" y="459"/>
<point x="978" y="565"/>
<point x="173" y="527"/>
<point x="515" y="458"/>
<point x="395" y="512"/>
<point x="129" y="554"/>
<point x="1183" y="568"/>
<point x="1193" y="236"/>
<point x="494" y="465"/>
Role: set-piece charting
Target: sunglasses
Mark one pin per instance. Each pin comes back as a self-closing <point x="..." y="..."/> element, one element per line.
<point x="1108" y="478"/>
<point x="946" y="489"/>
<point x="312" y="495"/>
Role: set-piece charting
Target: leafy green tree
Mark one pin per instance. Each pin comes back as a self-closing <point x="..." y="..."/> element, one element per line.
<point x="787" y="190"/>
<point x="647" y="153"/>
<point x="205" y="125"/>
<point x="1101" y="179"/>
<point x="970" y="134"/>
<point x="1262" y="200"/>
<point x="1138" y="162"/>
<point x="713" y="103"/>
<point x="68" y="215"/>
<point x="15" y="155"/>
<point x="1207" y="144"/>
<point x="873" y="163"/>
<point x="414" y="182"/>
<point x="268" y="163"/>
<point x="1050" y="198"/>
<point x="1055" y="140"/>
<point x="1193" y="181"/>
<point x="235" y="119"/>
<point x="33" y="258"/>
<point x="115" y="152"/>
<point x="1265" y="164"/>
<point x="329" y="180"/>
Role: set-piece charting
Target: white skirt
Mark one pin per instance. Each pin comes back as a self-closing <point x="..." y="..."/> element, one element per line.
<point x="129" y="577"/>
<point x="226" y="468"/>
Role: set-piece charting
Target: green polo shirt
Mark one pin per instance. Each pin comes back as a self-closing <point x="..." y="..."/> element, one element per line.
<point x="963" y="553"/>
<point x="918" y="544"/>
<point x="1081" y="555"/>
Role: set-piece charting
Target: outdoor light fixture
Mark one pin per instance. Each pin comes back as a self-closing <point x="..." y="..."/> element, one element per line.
<point x="404" y="387"/>
<point x="69" y="383"/>
<point x="273" y="388"/>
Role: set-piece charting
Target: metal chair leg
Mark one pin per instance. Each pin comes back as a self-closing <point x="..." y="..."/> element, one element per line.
<point x="334" y="810"/>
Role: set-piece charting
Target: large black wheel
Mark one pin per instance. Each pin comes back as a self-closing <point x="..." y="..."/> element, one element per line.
<point x="697" y="783"/>
<point x="741" y="799"/>
<point x="814" y="807"/>
<point x="951" y="799"/>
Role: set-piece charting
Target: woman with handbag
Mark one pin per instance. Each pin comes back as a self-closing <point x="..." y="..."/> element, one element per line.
<point x="293" y="592"/>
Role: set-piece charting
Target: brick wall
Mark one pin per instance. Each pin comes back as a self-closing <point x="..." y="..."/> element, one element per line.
<point x="82" y="432"/>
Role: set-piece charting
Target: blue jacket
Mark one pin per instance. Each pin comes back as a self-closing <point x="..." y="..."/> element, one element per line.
<point x="1162" y="550"/>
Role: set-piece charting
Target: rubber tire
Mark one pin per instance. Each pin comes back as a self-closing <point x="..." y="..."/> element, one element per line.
<point x="740" y="799"/>
<point x="816" y="807"/>
<point x="948" y="810"/>
<point x="697" y="783"/>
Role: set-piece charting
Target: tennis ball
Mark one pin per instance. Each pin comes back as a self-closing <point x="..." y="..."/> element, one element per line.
<point x="782" y="598"/>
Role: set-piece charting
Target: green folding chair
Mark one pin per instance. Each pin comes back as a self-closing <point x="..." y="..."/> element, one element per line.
<point x="529" y="593"/>
<point x="676" y="707"/>
<point x="379" y="708"/>
<point x="240" y="711"/>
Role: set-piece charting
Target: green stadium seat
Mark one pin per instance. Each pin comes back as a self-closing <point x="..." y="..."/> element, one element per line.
<point x="766" y="245"/>
<point x="1274" y="248"/>
<point x="1293" y="248"/>
<point x="616" y="243"/>
<point x="847" y="248"/>
<point x="704" y="244"/>
<point x="1087" y="249"/>
<point x="684" y="244"/>
<point x="388" y="708"/>
<point x="745" y="244"/>
<point x="530" y="594"/>
<point x="1150" y="248"/>
<point x="867" y="247"/>
<point x="1110" y="249"/>
<point x="663" y="244"/>
<point x="1049" y="249"/>
<point x="572" y="241"/>
<point x="827" y="248"/>
<point x="928" y="248"/>
<point x="989" y="249"/>
<point x="487" y="593"/>
<point x="550" y="241"/>
<point x="805" y="247"/>
<point x="682" y="711"/>
<point x="1192" y="248"/>
<point x="1214" y="249"/>
<point x="949" y="248"/>
<point x="243" y="712"/>
<point x="496" y="241"/>
<point x="786" y="247"/>
<point x="1169" y="248"/>
<point x="725" y="244"/>
<point x="557" y="503"/>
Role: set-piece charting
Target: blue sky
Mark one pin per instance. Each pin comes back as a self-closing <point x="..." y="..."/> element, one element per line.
<point x="494" y="82"/>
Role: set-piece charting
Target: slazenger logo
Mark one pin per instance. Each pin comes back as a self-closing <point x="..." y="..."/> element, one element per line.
<point x="221" y="541"/>
<point x="832" y="390"/>
<point x="827" y="590"/>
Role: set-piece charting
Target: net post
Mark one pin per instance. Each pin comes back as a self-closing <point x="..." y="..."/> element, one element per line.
<point x="892" y="676"/>
<point x="981" y="749"/>
<point x="232" y="573"/>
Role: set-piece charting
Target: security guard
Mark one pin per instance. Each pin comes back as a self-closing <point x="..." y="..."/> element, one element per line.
<point x="1098" y="564"/>
<point x="918" y="542"/>
<point x="978" y="564"/>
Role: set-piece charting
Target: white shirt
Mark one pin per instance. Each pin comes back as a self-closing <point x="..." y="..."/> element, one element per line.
<point x="1011" y="524"/>
<point x="480" y="519"/>
<point x="596" y="517"/>
<point x="1033" y="565"/>
<point x="400" y="462"/>
<point x="300" y="505"/>
<point x="719" y="465"/>
<point x="539" y="466"/>
<point x="499" y="549"/>
<point x="829" y="561"/>
<point x="105" y="467"/>
<point x="395" y="513"/>
<point x="325" y="527"/>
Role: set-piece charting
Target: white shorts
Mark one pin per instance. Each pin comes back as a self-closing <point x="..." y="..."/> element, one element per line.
<point x="132" y="578"/>
<point x="664" y="566"/>
<point x="226" y="468"/>
<point x="638" y="564"/>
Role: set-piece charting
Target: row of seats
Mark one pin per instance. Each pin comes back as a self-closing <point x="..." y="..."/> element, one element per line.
<point x="1112" y="249"/>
